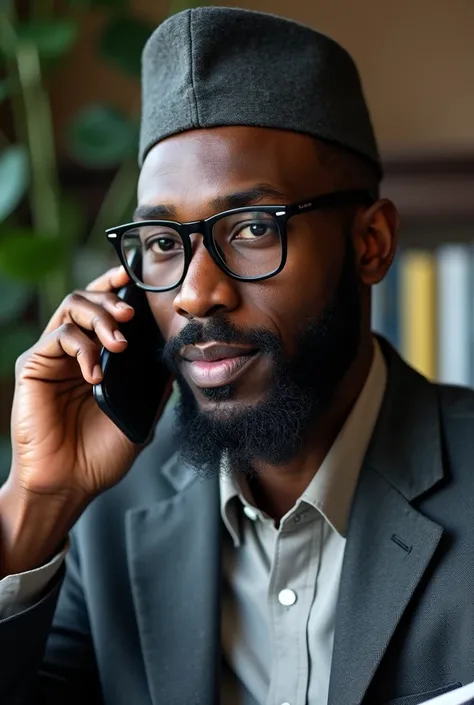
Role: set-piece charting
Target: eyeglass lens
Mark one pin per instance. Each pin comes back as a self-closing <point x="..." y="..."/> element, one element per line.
<point x="248" y="243"/>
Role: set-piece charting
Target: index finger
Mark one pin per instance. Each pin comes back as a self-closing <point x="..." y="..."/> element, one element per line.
<point x="110" y="280"/>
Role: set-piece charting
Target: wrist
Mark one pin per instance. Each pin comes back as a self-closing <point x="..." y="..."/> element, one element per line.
<point x="33" y="527"/>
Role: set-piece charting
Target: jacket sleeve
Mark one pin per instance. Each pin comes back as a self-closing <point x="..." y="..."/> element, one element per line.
<point x="46" y="650"/>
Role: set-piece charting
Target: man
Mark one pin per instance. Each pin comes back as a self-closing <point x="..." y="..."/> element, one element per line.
<point x="299" y="530"/>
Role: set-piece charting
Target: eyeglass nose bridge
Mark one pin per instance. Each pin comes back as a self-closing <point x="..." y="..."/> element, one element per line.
<point x="200" y="227"/>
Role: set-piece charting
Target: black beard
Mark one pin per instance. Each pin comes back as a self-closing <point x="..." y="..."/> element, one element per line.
<point x="272" y="431"/>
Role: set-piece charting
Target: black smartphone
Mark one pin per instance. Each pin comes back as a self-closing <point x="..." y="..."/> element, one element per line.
<point x="134" y="380"/>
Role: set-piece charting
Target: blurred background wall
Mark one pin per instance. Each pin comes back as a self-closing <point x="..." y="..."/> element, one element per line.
<point x="416" y="58"/>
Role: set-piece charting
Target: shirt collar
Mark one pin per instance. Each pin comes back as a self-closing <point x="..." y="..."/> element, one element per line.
<point x="332" y="488"/>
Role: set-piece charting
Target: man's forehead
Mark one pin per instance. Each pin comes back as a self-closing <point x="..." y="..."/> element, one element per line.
<point x="229" y="158"/>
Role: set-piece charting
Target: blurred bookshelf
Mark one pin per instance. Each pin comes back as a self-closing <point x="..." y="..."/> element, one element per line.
<point x="425" y="307"/>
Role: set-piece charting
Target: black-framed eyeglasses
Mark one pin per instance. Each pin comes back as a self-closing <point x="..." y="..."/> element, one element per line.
<point x="248" y="243"/>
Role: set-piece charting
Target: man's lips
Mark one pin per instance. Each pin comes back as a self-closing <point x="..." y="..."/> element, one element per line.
<point x="211" y="352"/>
<point x="215" y="364"/>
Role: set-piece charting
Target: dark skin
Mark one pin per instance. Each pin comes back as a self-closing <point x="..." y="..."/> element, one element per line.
<point x="187" y="173"/>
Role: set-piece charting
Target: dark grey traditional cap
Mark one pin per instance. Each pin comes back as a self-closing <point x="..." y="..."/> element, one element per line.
<point x="215" y="66"/>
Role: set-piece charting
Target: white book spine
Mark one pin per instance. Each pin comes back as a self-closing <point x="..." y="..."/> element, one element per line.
<point x="378" y="307"/>
<point x="454" y="314"/>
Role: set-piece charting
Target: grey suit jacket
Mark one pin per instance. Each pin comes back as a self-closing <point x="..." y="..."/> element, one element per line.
<point x="135" y="618"/>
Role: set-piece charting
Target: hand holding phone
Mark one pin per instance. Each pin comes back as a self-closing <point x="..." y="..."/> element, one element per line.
<point x="134" y="380"/>
<point x="64" y="447"/>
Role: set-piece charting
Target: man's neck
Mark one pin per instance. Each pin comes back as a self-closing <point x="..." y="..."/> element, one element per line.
<point x="275" y="489"/>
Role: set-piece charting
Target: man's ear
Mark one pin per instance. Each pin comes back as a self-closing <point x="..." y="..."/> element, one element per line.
<point x="375" y="237"/>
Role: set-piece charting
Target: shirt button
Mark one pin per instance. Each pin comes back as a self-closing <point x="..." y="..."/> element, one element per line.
<point x="287" y="598"/>
<point x="250" y="513"/>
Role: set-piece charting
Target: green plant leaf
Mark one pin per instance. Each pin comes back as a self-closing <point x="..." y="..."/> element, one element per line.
<point x="179" y="5"/>
<point x="8" y="88"/>
<point x="122" y="42"/>
<point x="4" y="90"/>
<point x="72" y="218"/>
<point x="14" y="298"/>
<point x="29" y="256"/>
<point x="14" y="342"/>
<point x="5" y="457"/>
<point x="100" y="136"/>
<point x="114" y="4"/>
<point x="52" y="38"/>
<point x="14" y="178"/>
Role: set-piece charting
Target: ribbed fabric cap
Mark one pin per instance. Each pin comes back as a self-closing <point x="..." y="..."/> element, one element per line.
<point x="215" y="66"/>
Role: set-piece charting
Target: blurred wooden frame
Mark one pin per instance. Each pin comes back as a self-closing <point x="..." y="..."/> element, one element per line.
<point x="434" y="193"/>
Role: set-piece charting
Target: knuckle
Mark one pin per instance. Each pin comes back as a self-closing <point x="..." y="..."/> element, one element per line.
<point x="26" y="359"/>
<point x="73" y="299"/>
<point x="66" y="329"/>
<point x="97" y="320"/>
<point x="86" y="348"/>
<point x="110" y="298"/>
<point x="102" y="318"/>
<point x="20" y="363"/>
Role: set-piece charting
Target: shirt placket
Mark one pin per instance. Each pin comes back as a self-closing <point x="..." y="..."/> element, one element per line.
<point x="290" y="597"/>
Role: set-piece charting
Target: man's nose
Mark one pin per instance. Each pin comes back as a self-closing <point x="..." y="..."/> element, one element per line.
<point x="206" y="289"/>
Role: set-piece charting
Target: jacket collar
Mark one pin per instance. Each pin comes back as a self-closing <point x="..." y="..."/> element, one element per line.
<point x="406" y="445"/>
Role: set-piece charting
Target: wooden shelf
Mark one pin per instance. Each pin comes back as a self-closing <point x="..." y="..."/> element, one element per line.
<point x="431" y="187"/>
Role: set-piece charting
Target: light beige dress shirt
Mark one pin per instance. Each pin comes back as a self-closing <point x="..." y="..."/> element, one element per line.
<point x="280" y="585"/>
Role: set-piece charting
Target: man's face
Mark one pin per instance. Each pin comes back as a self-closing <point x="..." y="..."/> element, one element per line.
<point x="282" y="344"/>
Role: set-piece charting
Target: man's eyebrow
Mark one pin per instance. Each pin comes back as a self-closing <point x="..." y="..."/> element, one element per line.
<point x="154" y="212"/>
<point x="221" y="203"/>
<point x="248" y="197"/>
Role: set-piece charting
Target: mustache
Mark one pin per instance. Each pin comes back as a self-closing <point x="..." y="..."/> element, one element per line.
<point x="218" y="330"/>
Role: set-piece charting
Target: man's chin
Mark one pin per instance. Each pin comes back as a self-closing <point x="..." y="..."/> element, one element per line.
<point x="209" y="397"/>
<point x="269" y="431"/>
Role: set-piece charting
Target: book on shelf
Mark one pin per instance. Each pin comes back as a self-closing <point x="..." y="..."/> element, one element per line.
<point x="425" y="308"/>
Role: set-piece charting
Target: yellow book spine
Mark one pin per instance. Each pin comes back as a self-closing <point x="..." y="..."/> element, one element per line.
<point x="418" y="310"/>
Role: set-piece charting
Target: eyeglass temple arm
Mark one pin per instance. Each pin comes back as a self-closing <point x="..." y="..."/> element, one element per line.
<point x="338" y="198"/>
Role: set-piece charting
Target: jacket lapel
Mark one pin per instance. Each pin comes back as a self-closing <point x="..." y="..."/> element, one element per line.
<point x="390" y="544"/>
<point x="390" y="548"/>
<point x="173" y="553"/>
